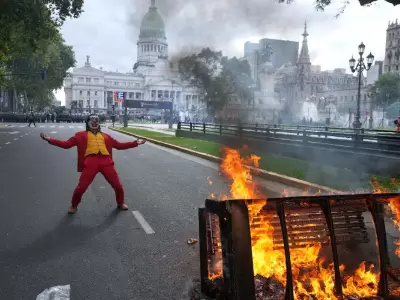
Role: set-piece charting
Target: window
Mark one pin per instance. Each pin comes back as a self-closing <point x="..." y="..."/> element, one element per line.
<point x="178" y="95"/>
<point x="80" y="103"/>
<point x="138" y="95"/>
<point x="95" y="93"/>
<point x="88" y="102"/>
<point x="81" y="79"/>
<point x="96" y="105"/>
<point x="131" y="95"/>
<point x="80" y="93"/>
<point x="88" y="93"/>
<point x="96" y="80"/>
<point x="88" y="80"/>
<point x="153" y="94"/>
<point x="115" y="83"/>
<point x="137" y="84"/>
<point x="159" y="94"/>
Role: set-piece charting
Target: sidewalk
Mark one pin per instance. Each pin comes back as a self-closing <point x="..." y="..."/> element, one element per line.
<point x="162" y="128"/>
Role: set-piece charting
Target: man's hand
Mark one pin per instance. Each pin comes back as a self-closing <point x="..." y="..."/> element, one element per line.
<point x="44" y="136"/>
<point x="140" y="141"/>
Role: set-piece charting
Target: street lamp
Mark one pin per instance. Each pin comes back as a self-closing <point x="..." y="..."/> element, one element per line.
<point x="171" y="110"/>
<point x="252" y="87"/>
<point x="88" y="106"/>
<point x="360" y="67"/>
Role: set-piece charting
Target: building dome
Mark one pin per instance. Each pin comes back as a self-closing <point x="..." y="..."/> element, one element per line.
<point x="152" y="25"/>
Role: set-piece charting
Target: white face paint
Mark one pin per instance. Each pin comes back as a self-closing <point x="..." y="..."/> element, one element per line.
<point x="94" y="122"/>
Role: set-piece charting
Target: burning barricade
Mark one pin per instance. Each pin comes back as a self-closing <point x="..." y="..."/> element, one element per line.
<point x="294" y="247"/>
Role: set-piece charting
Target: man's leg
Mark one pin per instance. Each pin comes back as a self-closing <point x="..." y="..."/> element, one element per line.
<point x="90" y="169"/>
<point x="111" y="175"/>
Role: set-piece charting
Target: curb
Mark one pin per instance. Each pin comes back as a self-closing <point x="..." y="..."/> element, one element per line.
<point x="271" y="176"/>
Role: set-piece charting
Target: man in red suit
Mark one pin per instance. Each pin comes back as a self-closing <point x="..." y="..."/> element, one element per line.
<point x="94" y="156"/>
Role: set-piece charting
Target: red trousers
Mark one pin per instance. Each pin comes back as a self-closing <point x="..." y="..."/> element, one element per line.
<point x="94" y="164"/>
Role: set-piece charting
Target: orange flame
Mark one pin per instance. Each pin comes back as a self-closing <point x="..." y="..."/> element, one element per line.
<point x="311" y="277"/>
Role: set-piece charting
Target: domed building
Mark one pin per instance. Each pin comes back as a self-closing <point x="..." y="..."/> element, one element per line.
<point x="152" y="46"/>
<point x="149" y="89"/>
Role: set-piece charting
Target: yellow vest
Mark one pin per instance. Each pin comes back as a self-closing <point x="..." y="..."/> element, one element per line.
<point x="96" y="144"/>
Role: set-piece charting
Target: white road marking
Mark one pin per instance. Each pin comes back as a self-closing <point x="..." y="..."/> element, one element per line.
<point x="21" y="136"/>
<point x="8" y="143"/>
<point x="52" y="126"/>
<point x="70" y="126"/>
<point x="15" y="139"/>
<point x="146" y="227"/>
<point x="53" y="132"/>
<point x="41" y="126"/>
<point x="60" y="126"/>
<point x="22" y="125"/>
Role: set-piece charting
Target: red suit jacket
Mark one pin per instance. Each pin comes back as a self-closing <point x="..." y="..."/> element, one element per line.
<point x="80" y="140"/>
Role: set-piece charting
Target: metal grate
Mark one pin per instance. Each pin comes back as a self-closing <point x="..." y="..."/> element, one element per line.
<point x="225" y="240"/>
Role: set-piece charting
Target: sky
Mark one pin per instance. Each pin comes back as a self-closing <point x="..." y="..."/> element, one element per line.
<point x="108" y="31"/>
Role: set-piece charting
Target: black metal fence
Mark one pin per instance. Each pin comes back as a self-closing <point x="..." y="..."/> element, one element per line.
<point x="226" y="242"/>
<point x="341" y="138"/>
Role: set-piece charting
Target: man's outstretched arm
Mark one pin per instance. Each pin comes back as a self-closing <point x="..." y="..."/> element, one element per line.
<point x="126" y="145"/>
<point x="62" y="144"/>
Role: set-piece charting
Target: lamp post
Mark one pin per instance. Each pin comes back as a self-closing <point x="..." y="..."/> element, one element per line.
<point x="171" y="110"/>
<point x="252" y="88"/>
<point x="360" y="67"/>
<point x="88" y="106"/>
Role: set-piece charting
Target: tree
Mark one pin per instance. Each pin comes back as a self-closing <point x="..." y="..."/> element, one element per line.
<point x="26" y="24"/>
<point x="31" y="43"/>
<point x="217" y="78"/>
<point x="55" y="58"/>
<point x="386" y="90"/>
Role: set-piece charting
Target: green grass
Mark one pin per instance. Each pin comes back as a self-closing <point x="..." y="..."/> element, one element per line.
<point x="197" y="145"/>
<point x="333" y="177"/>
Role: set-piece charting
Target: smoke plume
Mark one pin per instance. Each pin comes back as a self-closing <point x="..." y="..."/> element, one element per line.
<point x="194" y="24"/>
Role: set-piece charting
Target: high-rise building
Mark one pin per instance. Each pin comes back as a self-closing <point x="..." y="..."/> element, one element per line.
<point x="375" y="72"/>
<point x="283" y="51"/>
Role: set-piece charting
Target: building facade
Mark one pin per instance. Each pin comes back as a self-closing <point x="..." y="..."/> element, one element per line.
<point x="153" y="78"/>
<point x="392" y="48"/>
<point x="296" y="83"/>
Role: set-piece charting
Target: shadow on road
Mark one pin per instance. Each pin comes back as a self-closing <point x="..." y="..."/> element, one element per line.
<point x="63" y="238"/>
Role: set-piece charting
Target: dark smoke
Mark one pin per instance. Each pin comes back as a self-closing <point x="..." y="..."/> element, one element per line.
<point x="194" y="24"/>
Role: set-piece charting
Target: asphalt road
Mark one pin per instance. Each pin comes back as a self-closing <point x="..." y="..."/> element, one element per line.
<point x="101" y="253"/>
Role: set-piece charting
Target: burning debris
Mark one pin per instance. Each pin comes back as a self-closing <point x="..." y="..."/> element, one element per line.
<point x="312" y="277"/>
<point x="268" y="288"/>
